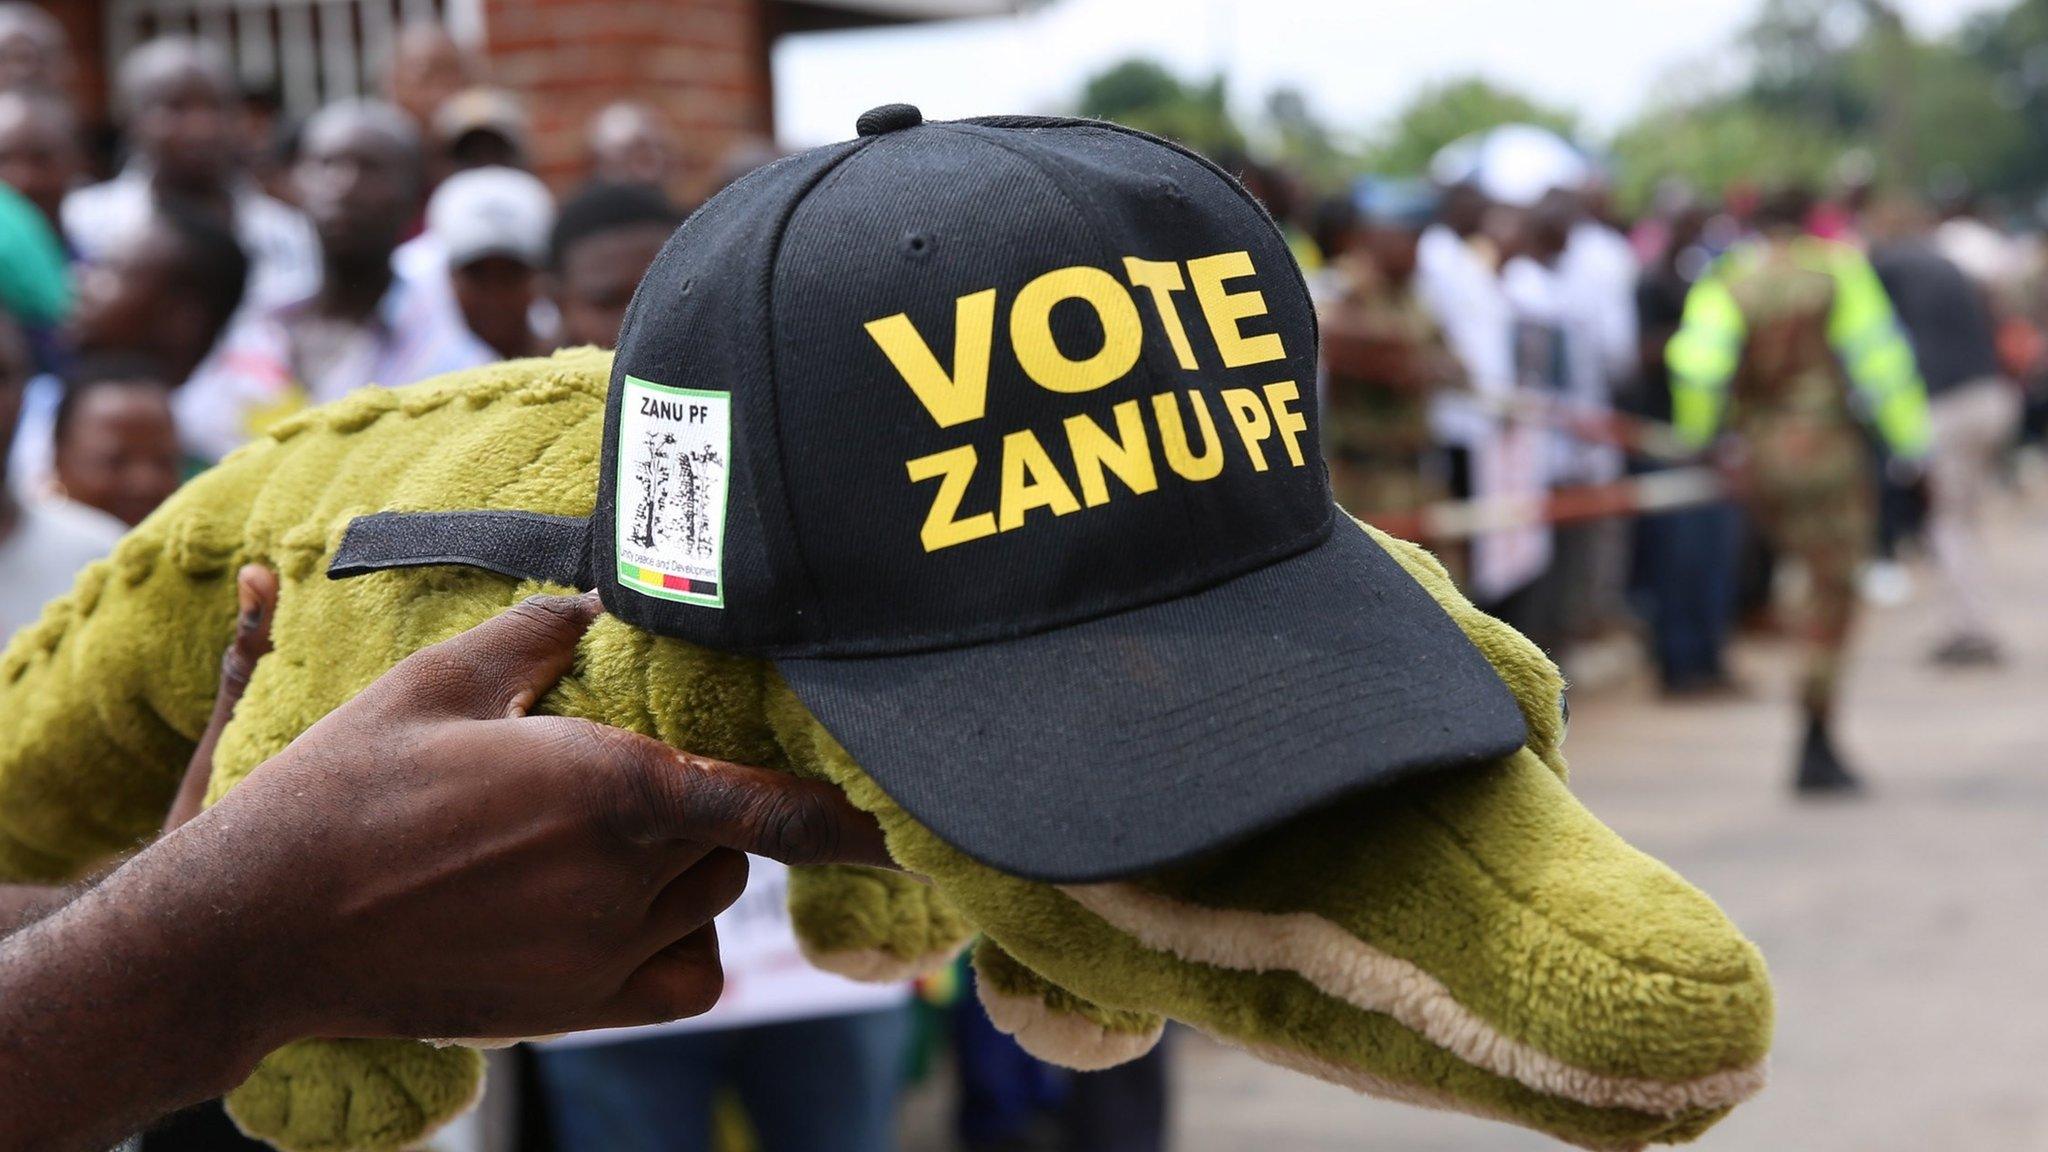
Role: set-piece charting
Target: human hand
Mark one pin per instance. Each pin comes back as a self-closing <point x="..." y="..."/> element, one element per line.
<point x="430" y="860"/>
<point x="256" y="596"/>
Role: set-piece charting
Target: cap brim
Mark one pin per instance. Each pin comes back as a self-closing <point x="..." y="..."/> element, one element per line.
<point x="1136" y="741"/>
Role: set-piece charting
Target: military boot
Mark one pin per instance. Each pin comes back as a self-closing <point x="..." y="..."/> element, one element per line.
<point x="1821" y="771"/>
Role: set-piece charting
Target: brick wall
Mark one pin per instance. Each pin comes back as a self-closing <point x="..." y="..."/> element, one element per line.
<point x="704" y="63"/>
<point x="85" y="24"/>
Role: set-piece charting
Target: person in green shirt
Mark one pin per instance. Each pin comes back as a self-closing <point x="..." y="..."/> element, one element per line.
<point x="1790" y="341"/>
<point x="34" y="287"/>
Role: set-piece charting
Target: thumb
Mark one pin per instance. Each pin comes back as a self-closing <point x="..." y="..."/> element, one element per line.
<point x="256" y="594"/>
<point x="505" y="664"/>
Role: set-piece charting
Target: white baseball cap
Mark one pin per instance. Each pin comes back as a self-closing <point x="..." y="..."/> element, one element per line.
<point x="492" y="212"/>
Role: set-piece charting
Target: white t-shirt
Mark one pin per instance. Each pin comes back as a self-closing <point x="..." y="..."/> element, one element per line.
<point x="51" y="541"/>
<point x="265" y="367"/>
<point x="32" y="460"/>
<point x="1557" y="350"/>
<point x="283" y="251"/>
<point x="1465" y="298"/>
<point x="767" y="979"/>
<point x="1599" y="270"/>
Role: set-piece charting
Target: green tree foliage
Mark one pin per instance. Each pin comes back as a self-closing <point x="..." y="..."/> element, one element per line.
<point x="2010" y="49"/>
<point x="1145" y="95"/>
<point x="1826" y="76"/>
<point x="1820" y="78"/>
<point x="1302" y="142"/>
<point x="1442" y="113"/>
<point x="1714" y="145"/>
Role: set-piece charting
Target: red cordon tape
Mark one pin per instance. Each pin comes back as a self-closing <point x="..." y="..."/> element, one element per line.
<point x="1634" y="496"/>
<point x="1647" y="438"/>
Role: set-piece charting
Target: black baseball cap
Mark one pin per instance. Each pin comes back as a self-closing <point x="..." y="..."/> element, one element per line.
<point x="998" y="437"/>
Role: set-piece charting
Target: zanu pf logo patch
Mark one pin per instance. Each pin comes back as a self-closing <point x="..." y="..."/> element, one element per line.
<point x="675" y="460"/>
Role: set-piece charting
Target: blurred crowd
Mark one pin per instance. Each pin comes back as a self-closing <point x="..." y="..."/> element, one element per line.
<point x="210" y="267"/>
<point x="1498" y="342"/>
<point x="1500" y="374"/>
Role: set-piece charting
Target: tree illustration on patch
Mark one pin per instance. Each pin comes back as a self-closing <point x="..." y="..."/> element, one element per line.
<point x="651" y="473"/>
<point x="696" y="482"/>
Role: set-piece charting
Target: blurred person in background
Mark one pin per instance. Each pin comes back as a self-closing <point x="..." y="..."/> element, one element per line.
<point x="815" y="1062"/>
<point x="1383" y="354"/>
<point x="1010" y="1101"/>
<point x="425" y="68"/>
<point x="480" y="128"/>
<point x="39" y="150"/>
<point x="116" y="441"/>
<point x="1276" y="189"/>
<point x="1531" y="241"/>
<point x="35" y="295"/>
<point x="35" y="55"/>
<point x="491" y="227"/>
<point x="1852" y="182"/>
<point x="269" y="140"/>
<point x="1594" y="276"/>
<point x="35" y="283"/>
<point x="1457" y="279"/>
<point x="1600" y="267"/>
<point x="183" y="120"/>
<point x="1688" y="556"/>
<point x="43" y="542"/>
<point x="604" y="239"/>
<point x="1973" y="410"/>
<point x="360" y="178"/>
<point x="166" y="293"/>
<point x="630" y="143"/>
<point x="1983" y="250"/>
<point x="1773" y="341"/>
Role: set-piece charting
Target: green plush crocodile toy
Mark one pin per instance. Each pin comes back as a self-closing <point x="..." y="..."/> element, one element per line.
<point x="1471" y="940"/>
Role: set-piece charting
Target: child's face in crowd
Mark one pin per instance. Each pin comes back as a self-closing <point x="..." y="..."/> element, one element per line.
<point x="121" y="299"/>
<point x="37" y="159"/>
<point x="597" y="278"/>
<point x="119" y="453"/>
<point x="496" y="293"/>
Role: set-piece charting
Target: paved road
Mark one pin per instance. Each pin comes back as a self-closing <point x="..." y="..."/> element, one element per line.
<point x="1907" y="934"/>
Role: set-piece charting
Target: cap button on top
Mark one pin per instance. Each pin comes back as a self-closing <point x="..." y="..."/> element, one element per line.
<point x="888" y="118"/>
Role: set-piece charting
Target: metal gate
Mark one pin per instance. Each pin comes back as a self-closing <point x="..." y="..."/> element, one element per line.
<point x="310" y="51"/>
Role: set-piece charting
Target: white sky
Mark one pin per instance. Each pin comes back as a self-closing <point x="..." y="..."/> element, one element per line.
<point x="1356" y="59"/>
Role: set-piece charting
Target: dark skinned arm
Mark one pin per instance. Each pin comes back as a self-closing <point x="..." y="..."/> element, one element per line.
<point x="428" y="860"/>
<point x="256" y="591"/>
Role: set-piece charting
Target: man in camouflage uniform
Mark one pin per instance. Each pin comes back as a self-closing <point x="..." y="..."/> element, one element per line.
<point x="1785" y="340"/>
<point x="1384" y="358"/>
